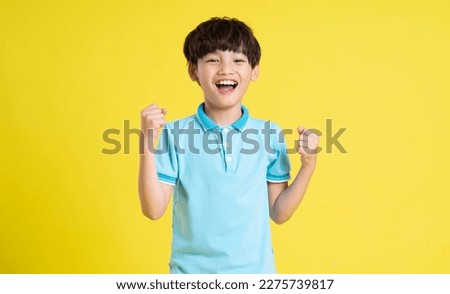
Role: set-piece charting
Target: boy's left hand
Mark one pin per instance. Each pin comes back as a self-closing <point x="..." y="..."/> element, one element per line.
<point x="307" y="146"/>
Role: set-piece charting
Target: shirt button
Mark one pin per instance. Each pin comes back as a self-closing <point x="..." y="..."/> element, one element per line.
<point x="225" y="130"/>
<point x="225" y="145"/>
<point x="229" y="158"/>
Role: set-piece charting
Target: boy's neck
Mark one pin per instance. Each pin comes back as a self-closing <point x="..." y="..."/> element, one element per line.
<point x="224" y="117"/>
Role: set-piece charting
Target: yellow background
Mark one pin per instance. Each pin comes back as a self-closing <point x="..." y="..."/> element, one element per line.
<point x="70" y="70"/>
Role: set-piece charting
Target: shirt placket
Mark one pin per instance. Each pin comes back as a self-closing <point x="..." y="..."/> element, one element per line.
<point x="229" y="150"/>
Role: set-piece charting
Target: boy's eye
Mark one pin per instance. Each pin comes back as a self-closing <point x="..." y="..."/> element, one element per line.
<point x="239" y="60"/>
<point x="212" y="60"/>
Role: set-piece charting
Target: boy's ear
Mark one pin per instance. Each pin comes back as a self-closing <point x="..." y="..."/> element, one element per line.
<point x="255" y="73"/>
<point x="192" y="70"/>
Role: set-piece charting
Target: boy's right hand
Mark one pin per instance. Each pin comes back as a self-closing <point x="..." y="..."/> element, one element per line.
<point x="152" y="120"/>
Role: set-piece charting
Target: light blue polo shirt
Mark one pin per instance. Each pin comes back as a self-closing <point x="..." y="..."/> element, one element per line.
<point x="220" y="199"/>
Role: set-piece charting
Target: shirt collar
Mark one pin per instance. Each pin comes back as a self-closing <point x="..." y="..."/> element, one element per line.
<point x="209" y="124"/>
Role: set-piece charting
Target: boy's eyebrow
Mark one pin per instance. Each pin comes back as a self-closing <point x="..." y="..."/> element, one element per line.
<point x="215" y="54"/>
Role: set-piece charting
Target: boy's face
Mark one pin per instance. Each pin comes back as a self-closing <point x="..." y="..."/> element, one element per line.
<point x="224" y="77"/>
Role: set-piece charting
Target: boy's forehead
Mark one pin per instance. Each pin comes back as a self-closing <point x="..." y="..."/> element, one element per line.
<point x="218" y="51"/>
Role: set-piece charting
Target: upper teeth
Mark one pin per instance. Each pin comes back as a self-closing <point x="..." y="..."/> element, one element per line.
<point x="226" y="82"/>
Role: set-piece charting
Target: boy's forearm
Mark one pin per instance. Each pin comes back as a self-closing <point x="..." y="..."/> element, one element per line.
<point x="291" y="197"/>
<point x="152" y="196"/>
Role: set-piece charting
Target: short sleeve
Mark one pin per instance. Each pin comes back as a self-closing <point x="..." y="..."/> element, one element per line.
<point x="279" y="167"/>
<point x="166" y="158"/>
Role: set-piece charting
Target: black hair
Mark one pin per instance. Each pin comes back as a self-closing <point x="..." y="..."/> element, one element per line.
<point x="225" y="34"/>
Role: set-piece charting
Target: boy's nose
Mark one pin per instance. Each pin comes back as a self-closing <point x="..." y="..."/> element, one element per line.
<point x="226" y="69"/>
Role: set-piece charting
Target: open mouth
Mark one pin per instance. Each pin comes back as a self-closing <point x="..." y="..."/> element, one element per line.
<point x="226" y="85"/>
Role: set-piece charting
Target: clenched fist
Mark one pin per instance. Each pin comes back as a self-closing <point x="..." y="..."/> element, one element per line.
<point x="152" y="120"/>
<point x="307" y="146"/>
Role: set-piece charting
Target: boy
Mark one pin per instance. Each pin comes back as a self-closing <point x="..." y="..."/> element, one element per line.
<point x="228" y="172"/>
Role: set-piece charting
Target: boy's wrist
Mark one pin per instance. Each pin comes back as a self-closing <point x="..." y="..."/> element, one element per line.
<point x="309" y="163"/>
<point x="146" y="144"/>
